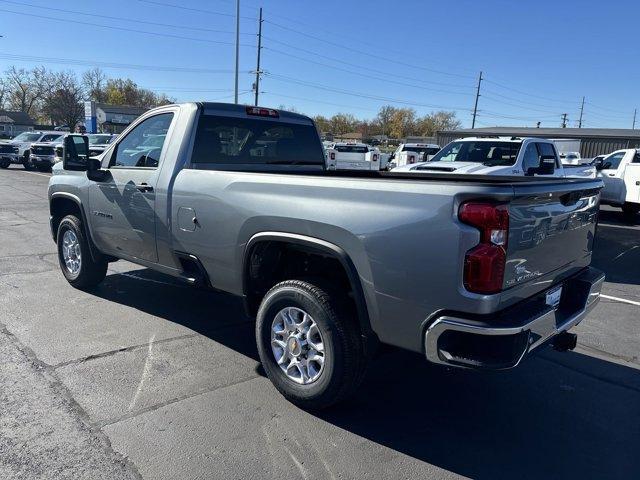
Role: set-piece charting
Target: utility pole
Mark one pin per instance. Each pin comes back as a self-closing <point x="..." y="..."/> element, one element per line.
<point x="475" y="107"/>
<point x="581" y="110"/>
<point x="258" y="72"/>
<point x="564" y="120"/>
<point x="635" y="110"/>
<point x="237" y="47"/>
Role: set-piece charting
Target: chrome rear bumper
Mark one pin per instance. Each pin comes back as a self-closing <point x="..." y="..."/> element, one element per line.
<point x="505" y="339"/>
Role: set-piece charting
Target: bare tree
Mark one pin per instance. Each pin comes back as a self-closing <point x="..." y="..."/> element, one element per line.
<point x="64" y="103"/>
<point x="94" y="82"/>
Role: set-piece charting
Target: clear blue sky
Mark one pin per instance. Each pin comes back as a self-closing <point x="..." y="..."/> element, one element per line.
<point x="323" y="57"/>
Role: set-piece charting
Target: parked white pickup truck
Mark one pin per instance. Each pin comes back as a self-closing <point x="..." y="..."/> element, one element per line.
<point x="353" y="156"/>
<point x="620" y="173"/>
<point x="501" y="156"/>
<point x="571" y="158"/>
<point x="410" y="153"/>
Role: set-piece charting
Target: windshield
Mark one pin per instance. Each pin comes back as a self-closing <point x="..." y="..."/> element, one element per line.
<point x="99" y="139"/>
<point x="27" y="137"/>
<point x="488" y="153"/>
<point x="427" y="150"/>
<point x="51" y="137"/>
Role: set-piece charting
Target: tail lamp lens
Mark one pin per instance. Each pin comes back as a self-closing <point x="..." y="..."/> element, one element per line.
<point x="332" y="155"/>
<point x="412" y="159"/>
<point x="484" y="264"/>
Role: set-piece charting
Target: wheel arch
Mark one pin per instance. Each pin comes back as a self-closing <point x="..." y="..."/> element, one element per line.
<point x="62" y="204"/>
<point x="322" y="247"/>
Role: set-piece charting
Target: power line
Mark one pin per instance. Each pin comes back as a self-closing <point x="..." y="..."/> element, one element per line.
<point x="524" y="93"/>
<point x="109" y="17"/>
<point x="362" y="52"/>
<point x="491" y="98"/>
<point x="311" y="52"/>
<point x="609" y="109"/>
<point x="525" y="102"/>
<point x="354" y="72"/>
<point x="94" y="63"/>
<point x="319" y="101"/>
<point x="157" y="34"/>
<point x="192" y="9"/>
<point x="359" y="94"/>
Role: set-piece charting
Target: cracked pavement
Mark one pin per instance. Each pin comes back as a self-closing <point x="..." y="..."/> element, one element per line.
<point x="147" y="378"/>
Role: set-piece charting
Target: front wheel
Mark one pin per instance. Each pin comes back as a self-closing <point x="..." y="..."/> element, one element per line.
<point x="309" y="346"/>
<point x="76" y="263"/>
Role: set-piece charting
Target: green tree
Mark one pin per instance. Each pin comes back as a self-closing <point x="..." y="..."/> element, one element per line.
<point x="402" y="122"/>
<point x="430" y="124"/>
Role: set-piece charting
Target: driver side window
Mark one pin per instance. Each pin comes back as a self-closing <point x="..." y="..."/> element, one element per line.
<point x="142" y="145"/>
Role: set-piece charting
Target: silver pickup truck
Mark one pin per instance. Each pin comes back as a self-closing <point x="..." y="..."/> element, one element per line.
<point x="471" y="271"/>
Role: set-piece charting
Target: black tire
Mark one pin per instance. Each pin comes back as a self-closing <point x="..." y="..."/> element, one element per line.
<point x="630" y="209"/>
<point x="345" y="361"/>
<point x="4" y="163"/>
<point x="90" y="272"/>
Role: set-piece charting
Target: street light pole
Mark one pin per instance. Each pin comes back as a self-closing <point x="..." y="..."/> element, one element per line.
<point x="475" y="107"/>
<point x="258" y="72"/>
<point x="237" y="47"/>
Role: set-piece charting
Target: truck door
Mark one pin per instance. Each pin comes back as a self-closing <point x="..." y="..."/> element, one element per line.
<point x="613" y="177"/>
<point x="122" y="207"/>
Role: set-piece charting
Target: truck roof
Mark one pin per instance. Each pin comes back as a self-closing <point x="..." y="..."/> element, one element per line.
<point x="502" y="139"/>
<point x="414" y="144"/>
<point x="231" y="108"/>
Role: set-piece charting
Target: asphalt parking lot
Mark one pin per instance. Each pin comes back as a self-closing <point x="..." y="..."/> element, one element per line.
<point x="145" y="377"/>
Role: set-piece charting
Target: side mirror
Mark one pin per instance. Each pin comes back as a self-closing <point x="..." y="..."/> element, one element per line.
<point x="75" y="153"/>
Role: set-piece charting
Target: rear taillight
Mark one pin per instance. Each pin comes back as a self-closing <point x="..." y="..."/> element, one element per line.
<point x="375" y="157"/>
<point x="412" y="159"/>
<point x="332" y="155"/>
<point x="484" y="264"/>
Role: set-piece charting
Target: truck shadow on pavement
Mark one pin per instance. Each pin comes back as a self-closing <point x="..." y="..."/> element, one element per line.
<point x="617" y="249"/>
<point x="559" y="415"/>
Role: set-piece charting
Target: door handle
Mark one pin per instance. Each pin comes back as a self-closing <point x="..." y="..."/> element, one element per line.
<point x="144" y="187"/>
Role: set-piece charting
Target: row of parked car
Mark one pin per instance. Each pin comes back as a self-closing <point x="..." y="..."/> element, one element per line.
<point x="510" y="156"/>
<point x="42" y="149"/>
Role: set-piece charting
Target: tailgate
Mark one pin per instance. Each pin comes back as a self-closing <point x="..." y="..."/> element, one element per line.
<point x="551" y="230"/>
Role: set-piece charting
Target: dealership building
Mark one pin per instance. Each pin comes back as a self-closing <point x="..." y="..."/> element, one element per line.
<point x="593" y="141"/>
<point x="104" y="118"/>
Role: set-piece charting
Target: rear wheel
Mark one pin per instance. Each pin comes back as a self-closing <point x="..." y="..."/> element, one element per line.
<point x="309" y="346"/>
<point x="4" y="163"/>
<point x="74" y="256"/>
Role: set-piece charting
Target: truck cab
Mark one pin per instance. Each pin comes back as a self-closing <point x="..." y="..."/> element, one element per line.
<point x="620" y="173"/>
<point x="506" y="156"/>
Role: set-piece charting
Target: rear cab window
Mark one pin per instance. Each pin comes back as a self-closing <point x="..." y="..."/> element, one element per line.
<point x="229" y="142"/>
<point x="351" y="149"/>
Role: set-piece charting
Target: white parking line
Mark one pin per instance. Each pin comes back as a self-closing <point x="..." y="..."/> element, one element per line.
<point x="621" y="300"/>
<point x="40" y="174"/>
